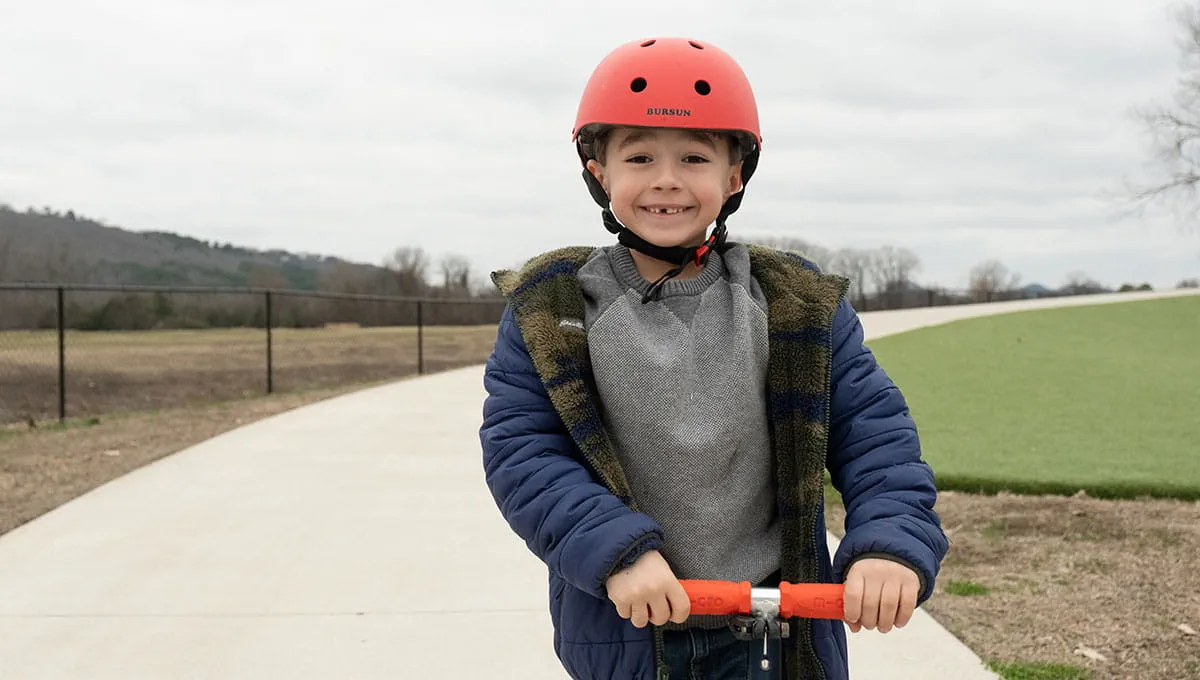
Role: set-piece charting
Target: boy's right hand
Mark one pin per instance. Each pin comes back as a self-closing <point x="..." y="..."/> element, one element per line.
<point x="649" y="592"/>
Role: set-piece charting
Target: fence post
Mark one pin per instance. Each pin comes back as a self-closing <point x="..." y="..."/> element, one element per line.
<point x="270" y="357"/>
<point x="62" y="356"/>
<point x="420" y="338"/>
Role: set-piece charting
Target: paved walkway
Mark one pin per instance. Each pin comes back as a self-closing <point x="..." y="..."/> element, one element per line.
<point x="328" y="542"/>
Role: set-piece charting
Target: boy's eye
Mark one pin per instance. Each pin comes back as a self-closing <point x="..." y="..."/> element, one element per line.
<point x="644" y="158"/>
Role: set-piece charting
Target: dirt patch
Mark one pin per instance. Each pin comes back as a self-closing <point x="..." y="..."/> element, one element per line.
<point x="1070" y="579"/>
<point x="42" y="469"/>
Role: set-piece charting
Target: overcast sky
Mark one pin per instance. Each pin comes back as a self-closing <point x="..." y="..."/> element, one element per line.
<point x="960" y="130"/>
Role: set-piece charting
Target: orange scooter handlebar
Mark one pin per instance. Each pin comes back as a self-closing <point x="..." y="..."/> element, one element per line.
<point x="806" y="600"/>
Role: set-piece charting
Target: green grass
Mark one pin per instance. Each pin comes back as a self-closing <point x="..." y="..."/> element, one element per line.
<point x="1038" y="671"/>
<point x="1102" y="398"/>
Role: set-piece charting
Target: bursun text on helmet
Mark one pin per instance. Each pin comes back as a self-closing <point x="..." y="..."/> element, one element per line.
<point x="668" y="112"/>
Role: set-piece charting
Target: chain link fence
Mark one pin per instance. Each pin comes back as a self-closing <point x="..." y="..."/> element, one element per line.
<point x="80" y="351"/>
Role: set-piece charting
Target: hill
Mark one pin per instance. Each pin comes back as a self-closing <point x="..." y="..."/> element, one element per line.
<point x="67" y="248"/>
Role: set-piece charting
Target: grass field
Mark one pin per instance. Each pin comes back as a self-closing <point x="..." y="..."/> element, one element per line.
<point x="1101" y="398"/>
<point x="109" y="372"/>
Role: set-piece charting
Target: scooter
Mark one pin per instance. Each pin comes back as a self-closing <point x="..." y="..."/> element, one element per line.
<point x="759" y="612"/>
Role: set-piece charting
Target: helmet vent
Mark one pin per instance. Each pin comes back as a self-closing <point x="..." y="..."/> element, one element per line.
<point x="649" y="43"/>
<point x="638" y="84"/>
<point x="693" y="43"/>
<point x="702" y="87"/>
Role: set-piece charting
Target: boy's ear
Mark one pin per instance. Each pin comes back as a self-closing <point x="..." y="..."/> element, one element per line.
<point x="597" y="171"/>
<point x="735" y="180"/>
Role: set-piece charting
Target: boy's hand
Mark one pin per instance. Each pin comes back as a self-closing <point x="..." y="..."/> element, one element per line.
<point x="880" y="593"/>
<point x="649" y="592"/>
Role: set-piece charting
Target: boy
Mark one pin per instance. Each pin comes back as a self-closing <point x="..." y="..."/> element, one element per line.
<point x="665" y="408"/>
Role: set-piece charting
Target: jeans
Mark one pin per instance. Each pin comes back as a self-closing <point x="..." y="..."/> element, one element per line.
<point x="698" y="654"/>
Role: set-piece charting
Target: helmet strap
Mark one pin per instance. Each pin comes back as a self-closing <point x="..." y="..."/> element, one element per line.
<point x="679" y="256"/>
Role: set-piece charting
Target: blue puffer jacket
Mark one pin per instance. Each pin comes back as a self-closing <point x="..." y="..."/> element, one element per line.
<point x="557" y="485"/>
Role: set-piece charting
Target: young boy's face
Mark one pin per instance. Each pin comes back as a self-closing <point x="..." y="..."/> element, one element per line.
<point x="667" y="185"/>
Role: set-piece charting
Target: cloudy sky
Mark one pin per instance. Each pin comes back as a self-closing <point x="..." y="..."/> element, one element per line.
<point x="960" y="130"/>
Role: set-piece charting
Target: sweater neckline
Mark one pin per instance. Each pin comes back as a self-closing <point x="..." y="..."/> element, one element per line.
<point x="629" y="276"/>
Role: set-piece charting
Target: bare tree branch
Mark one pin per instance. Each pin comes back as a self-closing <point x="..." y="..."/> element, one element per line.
<point x="456" y="275"/>
<point x="892" y="268"/>
<point x="991" y="277"/>
<point x="1175" y="133"/>
<point x="408" y="267"/>
<point x="856" y="265"/>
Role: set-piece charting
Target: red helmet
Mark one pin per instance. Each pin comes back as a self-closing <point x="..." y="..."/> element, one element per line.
<point x="669" y="82"/>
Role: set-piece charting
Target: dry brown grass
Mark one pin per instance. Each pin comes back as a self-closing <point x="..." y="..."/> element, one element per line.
<point x="1069" y="574"/>
<point x="110" y="372"/>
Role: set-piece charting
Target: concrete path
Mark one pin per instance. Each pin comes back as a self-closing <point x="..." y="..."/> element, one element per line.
<point x="352" y="538"/>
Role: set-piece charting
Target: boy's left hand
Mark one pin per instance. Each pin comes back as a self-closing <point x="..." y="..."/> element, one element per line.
<point x="880" y="594"/>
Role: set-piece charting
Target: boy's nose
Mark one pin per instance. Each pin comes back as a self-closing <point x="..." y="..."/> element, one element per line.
<point x="667" y="177"/>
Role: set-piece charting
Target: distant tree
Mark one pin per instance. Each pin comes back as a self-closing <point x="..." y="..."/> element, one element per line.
<point x="892" y="268"/>
<point x="854" y="264"/>
<point x="1188" y="283"/>
<point x="1079" y="283"/>
<point x="1129" y="288"/>
<point x="990" y="277"/>
<point x="162" y="307"/>
<point x="408" y="267"/>
<point x="456" y="275"/>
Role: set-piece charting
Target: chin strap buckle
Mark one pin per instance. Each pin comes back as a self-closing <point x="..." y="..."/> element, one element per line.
<point x="704" y="249"/>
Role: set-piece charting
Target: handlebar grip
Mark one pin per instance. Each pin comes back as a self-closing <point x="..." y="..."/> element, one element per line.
<point x="718" y="597"/>
<point x="812" y="600"/>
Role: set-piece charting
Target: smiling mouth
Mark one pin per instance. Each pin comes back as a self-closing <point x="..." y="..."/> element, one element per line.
<point x="665" y="211"/>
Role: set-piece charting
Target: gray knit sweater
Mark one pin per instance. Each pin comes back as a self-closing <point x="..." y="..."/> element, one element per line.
<point x="682" y="383"/>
